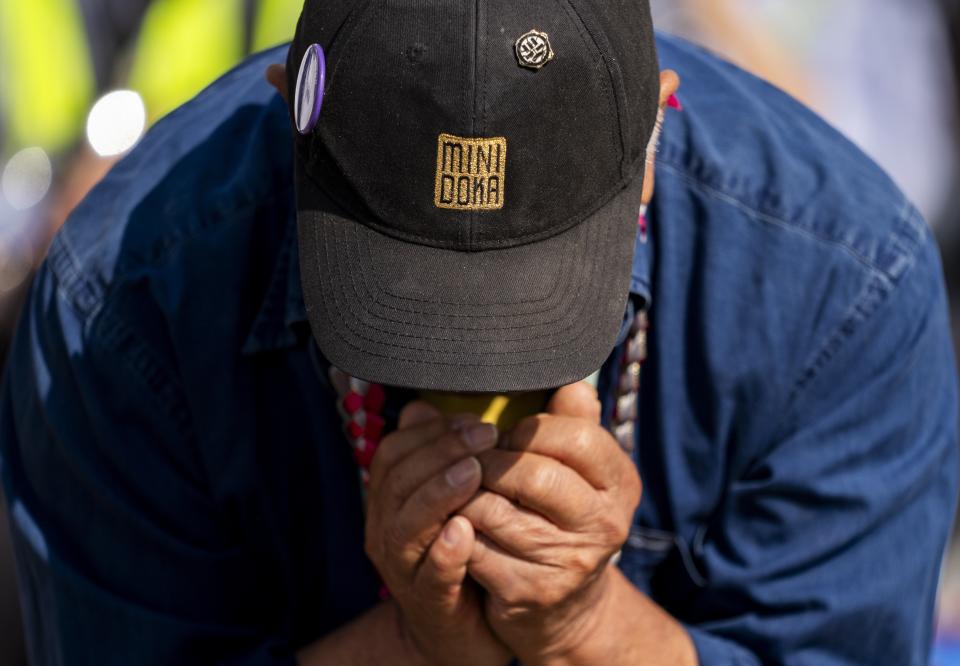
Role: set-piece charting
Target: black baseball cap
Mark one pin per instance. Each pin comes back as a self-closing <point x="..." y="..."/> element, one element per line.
<point x="468" y="194"/>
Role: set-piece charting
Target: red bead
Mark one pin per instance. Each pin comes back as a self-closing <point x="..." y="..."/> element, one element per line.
<point x="354" y="429"/>
<point x="384" y="593"/>
<point x="353" y="402"/>
<point x="374" y="429"/>
<point x="375" y="399"/>
<point x="365" y="455"/>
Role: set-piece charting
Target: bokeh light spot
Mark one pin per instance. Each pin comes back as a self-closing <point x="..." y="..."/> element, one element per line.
<point x="27" y="178"/>
<point x="116" y="122"/>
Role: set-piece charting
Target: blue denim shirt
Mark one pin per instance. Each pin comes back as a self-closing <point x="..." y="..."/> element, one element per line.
<point x="182" y="493"/>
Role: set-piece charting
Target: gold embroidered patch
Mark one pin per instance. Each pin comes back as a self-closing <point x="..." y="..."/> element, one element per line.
<point x="471" y="173"/>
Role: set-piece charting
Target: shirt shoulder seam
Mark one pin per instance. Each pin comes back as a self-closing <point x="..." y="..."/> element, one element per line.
<point x="892" y="271"/>
<point x="898" y="248"/>
<point x="878" y="290"/>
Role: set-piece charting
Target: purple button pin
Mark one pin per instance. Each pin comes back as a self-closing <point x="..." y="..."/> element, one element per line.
<point x="310" y="85"/>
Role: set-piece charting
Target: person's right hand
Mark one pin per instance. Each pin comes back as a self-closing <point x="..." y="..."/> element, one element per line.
<point x="422" y="474"/>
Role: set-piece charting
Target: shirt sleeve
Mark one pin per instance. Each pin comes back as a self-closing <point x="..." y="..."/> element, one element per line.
<point x="121" y="556"/>
<point x="828" y="544"/>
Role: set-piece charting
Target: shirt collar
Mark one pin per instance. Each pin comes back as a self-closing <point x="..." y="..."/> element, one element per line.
<point x="282" y="321"/>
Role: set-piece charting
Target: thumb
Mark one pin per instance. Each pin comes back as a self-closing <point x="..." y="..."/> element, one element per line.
<point x="577" y="400"/>
<point x="442" y="574"/>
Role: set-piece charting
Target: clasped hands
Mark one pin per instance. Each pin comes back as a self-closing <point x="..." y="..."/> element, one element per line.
<point x="531" y="516"/>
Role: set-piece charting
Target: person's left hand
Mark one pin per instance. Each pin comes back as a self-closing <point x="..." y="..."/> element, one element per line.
<point x="558" y="502"/>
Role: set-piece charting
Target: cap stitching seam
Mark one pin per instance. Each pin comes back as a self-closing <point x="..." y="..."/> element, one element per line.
<point x="388" y="291"/>
<point x="555" y="289"/>
<point x="336" y="305"/>
<point x="442" y="339"/>
<point x="350" y="25"/>
<point x="612" y="105"/>
<point x="438" y="363"/>
<point x="483" y="107"/>
<point x="472" y="215"/>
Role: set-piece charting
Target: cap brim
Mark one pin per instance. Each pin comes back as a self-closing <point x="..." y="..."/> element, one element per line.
<point x="525" y="318"/>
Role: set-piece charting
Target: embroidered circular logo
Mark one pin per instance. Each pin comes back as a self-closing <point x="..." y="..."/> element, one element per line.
<point x="534" y="50"/>
<point x="310" y="84"/>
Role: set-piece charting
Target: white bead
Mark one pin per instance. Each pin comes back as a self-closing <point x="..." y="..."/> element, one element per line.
<point x="627" y="407"/>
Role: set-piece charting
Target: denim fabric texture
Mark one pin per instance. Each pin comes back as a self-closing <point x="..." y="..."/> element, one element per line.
<point x="181" y="492"/>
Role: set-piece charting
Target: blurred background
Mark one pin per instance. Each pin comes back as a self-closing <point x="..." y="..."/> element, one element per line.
<point x="82" y="80"/>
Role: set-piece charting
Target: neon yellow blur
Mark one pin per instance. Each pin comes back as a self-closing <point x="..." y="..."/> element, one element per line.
<point x="186" y="44"/>
<point x="47" y="81"/>
<point x="48" y="78"/>
<point x="275" y="22"/>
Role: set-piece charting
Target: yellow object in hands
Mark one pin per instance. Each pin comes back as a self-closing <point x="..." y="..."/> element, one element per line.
<point x="503" y="411"/>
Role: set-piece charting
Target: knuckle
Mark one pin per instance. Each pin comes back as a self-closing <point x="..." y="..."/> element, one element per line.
<point x="522" y="599"/>
<point x="621" y="533"/>
<point x="489" y="511"/>
<point x="538" y="536"/>
<point x="582" y="439"/>
<point x="512" y="597"/>
<point x="612" y="532"/>
<point x="608" y="526"/>
<point x="542" y="482"/>
<point x="582" y="563"/>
